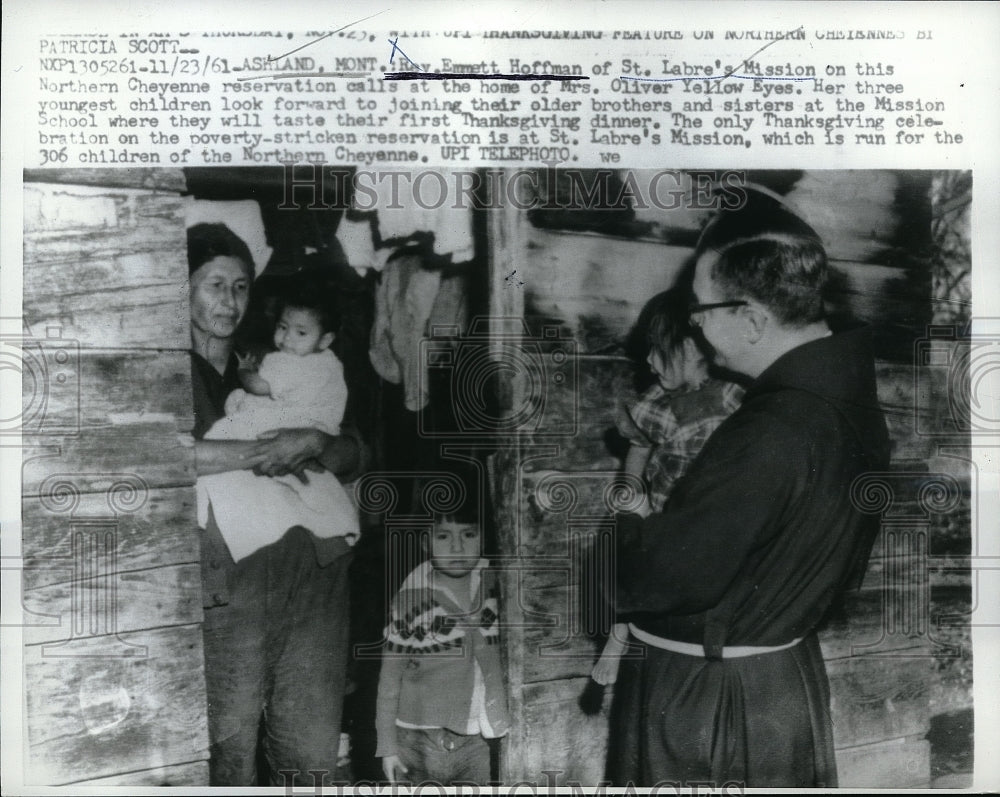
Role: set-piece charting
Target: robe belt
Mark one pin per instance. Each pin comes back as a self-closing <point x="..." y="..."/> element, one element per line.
<point x="691" y="649"/>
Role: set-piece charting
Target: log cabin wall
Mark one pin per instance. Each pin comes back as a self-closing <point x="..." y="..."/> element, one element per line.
<point x="898" y="652"/>
<point x="114" y="671"/>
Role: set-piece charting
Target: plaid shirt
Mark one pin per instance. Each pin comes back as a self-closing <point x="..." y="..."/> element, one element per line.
<point x="676" y="425"/>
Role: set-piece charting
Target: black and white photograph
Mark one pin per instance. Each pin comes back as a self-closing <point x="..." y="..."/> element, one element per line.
<point x="418" y="458"/>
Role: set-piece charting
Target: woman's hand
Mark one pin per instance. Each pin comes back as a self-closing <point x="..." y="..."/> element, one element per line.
<point x="286" y="451"/>
<point x="393" y="768"/>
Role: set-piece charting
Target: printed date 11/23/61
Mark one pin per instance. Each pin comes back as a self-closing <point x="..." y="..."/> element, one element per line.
<point x="98" y="67"/>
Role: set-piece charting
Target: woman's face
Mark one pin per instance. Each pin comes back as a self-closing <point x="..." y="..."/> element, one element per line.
<point x="220" y="291"/>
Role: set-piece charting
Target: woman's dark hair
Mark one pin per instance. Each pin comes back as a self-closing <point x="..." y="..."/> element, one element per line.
<point x="205" y="242"/>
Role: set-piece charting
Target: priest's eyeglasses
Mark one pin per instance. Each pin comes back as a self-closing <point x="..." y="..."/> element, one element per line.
<point x="695" y="309"/>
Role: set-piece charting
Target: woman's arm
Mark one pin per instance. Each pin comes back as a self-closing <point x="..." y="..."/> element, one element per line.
<point x="219" y="456"/>
<point x="283" y="451"/>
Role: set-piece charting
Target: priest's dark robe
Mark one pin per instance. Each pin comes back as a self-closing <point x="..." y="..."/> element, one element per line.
<point x="754" y="545"/>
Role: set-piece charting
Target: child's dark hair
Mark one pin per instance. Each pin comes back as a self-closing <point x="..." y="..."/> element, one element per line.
<point x="315" y="297"/>
<point x="669" y="319"/>
<point x="453" y="496"/>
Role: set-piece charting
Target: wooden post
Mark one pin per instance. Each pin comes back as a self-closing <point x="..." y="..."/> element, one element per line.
<point x="114" y="670"/>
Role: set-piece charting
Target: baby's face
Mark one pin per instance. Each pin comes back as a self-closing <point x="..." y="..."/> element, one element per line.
<point x="300" y="332"/>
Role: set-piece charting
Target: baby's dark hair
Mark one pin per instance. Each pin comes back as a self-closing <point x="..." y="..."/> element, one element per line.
<point x="669" y="319"/>
<point x="314" y="297"/>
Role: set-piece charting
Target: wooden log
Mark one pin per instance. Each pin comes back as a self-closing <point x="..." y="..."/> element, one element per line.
<point x="880" y="294"/>
<point x="91" y="717"/>
<point x="895" y="617"/>
<point x="907" y="444"/>
<point x="162" y="530"/>
<point x="155" y="454"/>
<point x="856" y="213"/>
<point x="555" y="643"/>
<point x="88" y="256"/>
<point x="132" y="316"/>
<point x="874" y="698"/>
<point x="894" y="764"/>
<point x="108" y="601"/>
<point x="902" y="387"/>
<point x="66" y="389"/>
<point x="158" y="179"/>
<point x="560" y="737"/>
<point x="559" y="516"/>
<point x="80" y="233"/>
<point x="551" y="655"/>
<point x="194" y="773"/>
<point x="605" y="385"/>
<point x="595" y="286"/>
<point x="80" y="210"/>
<point x="950" y="688"/>
<point x="106" y="265"/>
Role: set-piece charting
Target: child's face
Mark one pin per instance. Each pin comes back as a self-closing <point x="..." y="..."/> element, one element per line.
<point x="299" y="332"/>
<point x="455" y="547"/>
<point x="678" y="367"/>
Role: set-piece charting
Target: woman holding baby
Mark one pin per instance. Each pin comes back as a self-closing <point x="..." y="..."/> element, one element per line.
<point x="276" y="620"/>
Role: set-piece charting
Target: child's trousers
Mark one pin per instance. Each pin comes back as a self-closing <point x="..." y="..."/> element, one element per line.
<point x="441" y="756"/>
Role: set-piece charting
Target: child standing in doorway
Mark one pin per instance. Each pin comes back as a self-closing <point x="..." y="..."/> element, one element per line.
<point x="441" y="693"/>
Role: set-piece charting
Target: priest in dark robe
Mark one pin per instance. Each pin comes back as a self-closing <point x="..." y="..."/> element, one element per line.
<point x="725" y="587"/>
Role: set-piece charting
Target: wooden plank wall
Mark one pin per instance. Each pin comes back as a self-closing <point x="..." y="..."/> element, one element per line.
<point x="883" y="656"/>
<point x="114" y="670"/>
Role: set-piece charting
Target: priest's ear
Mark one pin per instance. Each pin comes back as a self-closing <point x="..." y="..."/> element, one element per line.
<point x="756" y="320"/>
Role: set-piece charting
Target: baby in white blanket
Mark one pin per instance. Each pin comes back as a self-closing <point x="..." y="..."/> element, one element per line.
<point x="301" y="385"/>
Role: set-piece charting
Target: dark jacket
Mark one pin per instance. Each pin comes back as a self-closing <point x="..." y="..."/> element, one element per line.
<point x="761" y="534"/>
